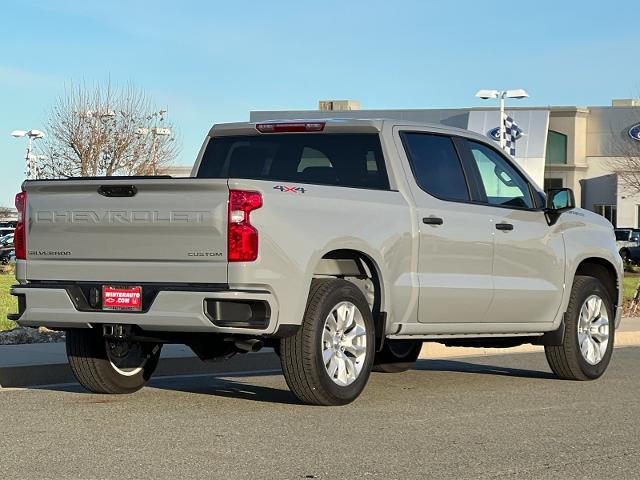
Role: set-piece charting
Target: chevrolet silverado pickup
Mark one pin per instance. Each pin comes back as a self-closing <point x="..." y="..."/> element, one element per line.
<point x="341" y="244"/>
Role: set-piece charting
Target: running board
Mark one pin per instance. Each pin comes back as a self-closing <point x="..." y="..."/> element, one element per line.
<point x="446" y="336"/>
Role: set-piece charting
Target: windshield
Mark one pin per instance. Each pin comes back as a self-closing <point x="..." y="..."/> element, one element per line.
<point x="347" y="160"/>
<point x="623" y="235"/>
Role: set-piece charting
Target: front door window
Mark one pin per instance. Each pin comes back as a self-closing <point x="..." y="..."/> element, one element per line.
<point x="503" y="185"/>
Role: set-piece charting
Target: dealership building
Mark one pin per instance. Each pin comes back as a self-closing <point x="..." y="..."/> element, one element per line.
<point x="559" y="146"/>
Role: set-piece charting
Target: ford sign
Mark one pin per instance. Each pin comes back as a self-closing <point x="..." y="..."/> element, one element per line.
<point x="634" y="132"/>
<point x="495" y="133"/>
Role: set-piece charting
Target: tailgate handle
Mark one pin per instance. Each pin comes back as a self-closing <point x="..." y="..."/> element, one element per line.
<point x="117" y="190"/>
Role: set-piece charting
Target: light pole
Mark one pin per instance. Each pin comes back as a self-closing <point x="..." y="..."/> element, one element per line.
<point x="502" y="94"/>
<point x="29" y="158"/>
<point x="155" y="133"/>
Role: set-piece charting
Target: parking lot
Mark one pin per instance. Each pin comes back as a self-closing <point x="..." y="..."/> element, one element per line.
<point x="456" y="418"/>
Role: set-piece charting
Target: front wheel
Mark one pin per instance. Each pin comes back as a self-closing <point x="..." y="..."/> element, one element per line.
<point x="328" y="360"/>
<point x="108" y="366"/>
<point x="589" y="333"/>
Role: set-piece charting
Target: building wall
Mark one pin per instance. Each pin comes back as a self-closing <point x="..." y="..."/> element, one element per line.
<point x="177" y="171"/>
<point x="571" y="122"/>
<point x="627" y="210"/>
<point x="607" y="139"/>
<point x="600" y="185"/>
<point x="608" y="131"/>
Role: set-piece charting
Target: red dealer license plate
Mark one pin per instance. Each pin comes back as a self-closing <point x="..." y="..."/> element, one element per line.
<point x="121" y="298"/>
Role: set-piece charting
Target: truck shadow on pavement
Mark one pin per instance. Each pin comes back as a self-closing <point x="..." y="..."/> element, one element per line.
<point x="236" y="387"/>
<point x="478" y="368"/>
<point x="239" y="386"/>
<point x="229" y="387"/>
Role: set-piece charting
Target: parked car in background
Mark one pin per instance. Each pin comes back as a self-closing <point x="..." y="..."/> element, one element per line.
<point x="7" y="256"/>
<point x="631" y="254"/>
<point x="6" y="239"/>
<point x="627" y="238"/>
<point x="7" y="250"/>
<point x="6" y="243"/>
<point x="4" y="231"/>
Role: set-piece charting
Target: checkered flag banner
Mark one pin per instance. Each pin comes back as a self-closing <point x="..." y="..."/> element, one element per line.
<point x="31" y="168"/>
<point x="510" y="134"/>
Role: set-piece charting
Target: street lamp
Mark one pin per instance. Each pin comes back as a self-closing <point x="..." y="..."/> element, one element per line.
<point x="487" y="94"/>
<point x="29" y="157"/>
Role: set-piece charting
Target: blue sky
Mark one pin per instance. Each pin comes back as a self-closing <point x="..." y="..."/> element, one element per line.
<point x="210" y="61"/>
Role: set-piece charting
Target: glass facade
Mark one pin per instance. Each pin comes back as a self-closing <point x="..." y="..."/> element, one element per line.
<point x="610" y="212"/>
<point x="556" y="148"/>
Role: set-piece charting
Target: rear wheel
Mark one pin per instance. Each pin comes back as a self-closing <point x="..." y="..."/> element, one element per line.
<point x="397" y="356"/>
<point x="110" y="366"/>
<point x="589" y="333"/>
<point x="328" y="360"/>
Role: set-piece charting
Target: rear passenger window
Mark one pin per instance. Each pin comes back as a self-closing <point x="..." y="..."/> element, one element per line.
<point x="436" y="166"/>
<point x="346" y="160"/>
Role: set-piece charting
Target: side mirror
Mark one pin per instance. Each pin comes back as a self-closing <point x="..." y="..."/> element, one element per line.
<point x="560" y="200"/>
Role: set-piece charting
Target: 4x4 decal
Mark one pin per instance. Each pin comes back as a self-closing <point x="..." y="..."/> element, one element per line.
<point x="287" y="189"/>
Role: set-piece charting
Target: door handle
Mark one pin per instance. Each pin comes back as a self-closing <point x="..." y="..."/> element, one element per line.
<point x="117" y="190"/>
<point x="504" y="226"/>
<point x="432" y="221"/>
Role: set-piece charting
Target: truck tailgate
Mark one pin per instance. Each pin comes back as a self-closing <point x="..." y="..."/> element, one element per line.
<point x="163" y="230"/>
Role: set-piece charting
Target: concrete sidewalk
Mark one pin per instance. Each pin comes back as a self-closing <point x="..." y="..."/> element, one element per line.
<point x="46" y="363"/>
<point x="55" y="353"/>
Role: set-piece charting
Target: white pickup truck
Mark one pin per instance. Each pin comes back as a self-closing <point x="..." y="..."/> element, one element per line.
<point x="341" y="244"/>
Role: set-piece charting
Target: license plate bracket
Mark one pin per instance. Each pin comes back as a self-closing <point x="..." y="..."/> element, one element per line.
<point x="124" y="298"/>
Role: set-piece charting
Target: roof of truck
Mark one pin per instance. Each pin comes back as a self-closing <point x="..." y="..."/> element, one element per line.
<point x="340" y="125"/>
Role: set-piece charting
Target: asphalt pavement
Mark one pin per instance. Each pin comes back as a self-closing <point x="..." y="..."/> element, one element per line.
<point x="478" y="417"/>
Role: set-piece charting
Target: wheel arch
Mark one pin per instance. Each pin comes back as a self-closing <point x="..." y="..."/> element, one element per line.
<point x="352" y="262"/>
<point x="604" y="271"/>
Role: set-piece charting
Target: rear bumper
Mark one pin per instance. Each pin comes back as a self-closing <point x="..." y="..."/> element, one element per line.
<point x="171" y="310"/>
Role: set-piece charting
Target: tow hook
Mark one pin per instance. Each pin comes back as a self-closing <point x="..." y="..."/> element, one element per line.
<point x="116" y="332"/>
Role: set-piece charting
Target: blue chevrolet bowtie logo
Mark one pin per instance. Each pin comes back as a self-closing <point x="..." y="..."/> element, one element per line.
<point x="634" y="132"/>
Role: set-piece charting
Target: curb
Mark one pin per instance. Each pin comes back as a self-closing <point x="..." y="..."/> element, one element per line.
<point x="438" y="350"/>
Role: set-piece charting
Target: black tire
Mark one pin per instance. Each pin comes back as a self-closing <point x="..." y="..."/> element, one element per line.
<point x="301" y="354"/>
<point x="90" y="363"/>
<point x="626" y="256"/>
<point x="397" y="356"/>
<point x="566" y="360"/>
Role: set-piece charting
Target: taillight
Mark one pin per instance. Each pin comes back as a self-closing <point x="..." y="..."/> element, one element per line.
<point x="274" y="127"/>
<point x="242" y="237"/>
<point x="20" y="234"/>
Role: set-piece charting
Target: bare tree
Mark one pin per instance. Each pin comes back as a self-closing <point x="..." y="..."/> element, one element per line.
<point x="102" y="130"/>
<point x="6" y="212"/>
<point x="626" y="147"/>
